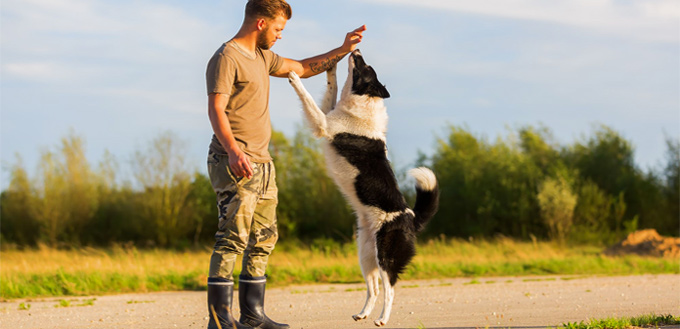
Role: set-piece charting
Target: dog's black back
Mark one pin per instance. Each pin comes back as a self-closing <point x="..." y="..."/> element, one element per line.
<point x="376" y="184"/>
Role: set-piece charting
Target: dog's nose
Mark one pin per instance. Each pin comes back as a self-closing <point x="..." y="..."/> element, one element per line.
<point x="356" y="52"/>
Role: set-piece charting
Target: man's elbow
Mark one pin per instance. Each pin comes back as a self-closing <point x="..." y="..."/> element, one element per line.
<point x="300" y="68"/>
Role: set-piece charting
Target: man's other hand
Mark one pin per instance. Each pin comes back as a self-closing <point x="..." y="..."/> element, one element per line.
<point x="240" y="165"/>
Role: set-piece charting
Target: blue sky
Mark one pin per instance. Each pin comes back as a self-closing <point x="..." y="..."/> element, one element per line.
<point x="119" y="73"/>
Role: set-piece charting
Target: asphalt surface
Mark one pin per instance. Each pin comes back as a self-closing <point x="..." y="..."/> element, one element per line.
<point x="518" y="302"/>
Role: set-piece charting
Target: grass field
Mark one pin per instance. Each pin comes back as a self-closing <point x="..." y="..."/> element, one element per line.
<point x="645" y="321"/>
<point x="48" y="272"/>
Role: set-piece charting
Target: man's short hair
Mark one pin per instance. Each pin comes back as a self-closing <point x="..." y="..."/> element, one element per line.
<point x="268" y="9"/>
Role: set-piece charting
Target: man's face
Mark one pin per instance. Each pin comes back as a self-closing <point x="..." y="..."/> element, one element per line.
<point x="271" y="32"/>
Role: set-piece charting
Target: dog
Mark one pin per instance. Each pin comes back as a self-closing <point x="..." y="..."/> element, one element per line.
<point x="354" y="129"/>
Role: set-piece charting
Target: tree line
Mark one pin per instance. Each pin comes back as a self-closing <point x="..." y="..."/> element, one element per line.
<point x="524" y="185"/>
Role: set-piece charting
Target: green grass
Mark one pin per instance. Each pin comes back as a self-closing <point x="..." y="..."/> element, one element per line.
<point x="644" y="321"/>
<point x="69" y="303"/>
<point x="651" y="320"/>
<point x="48" y="272"/>
<point x="63" y="303"/>
<point x="141" y="301"/>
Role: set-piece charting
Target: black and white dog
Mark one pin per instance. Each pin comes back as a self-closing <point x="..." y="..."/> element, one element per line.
<point x="356" y="157"/>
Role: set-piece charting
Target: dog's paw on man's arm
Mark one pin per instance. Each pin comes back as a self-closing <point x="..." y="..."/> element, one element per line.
<point x="292" y="77"/>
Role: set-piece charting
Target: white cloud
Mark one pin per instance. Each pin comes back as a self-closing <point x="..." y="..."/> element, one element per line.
<point x="61" y="15"/>
<point x="34" y="70"/>
<point x="655" y="20"/>
<point x="57" y="36"/>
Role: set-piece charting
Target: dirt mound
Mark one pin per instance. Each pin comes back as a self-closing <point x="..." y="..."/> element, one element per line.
<point x="647" y="243"/>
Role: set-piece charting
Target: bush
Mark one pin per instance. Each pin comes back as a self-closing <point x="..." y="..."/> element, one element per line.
<point x="557" y="203"/>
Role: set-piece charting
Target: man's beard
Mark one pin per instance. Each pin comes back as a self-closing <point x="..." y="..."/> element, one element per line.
<point x="262" y="41"/>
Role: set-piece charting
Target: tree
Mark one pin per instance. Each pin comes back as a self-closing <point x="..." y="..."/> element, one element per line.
<point x="607" y="159"/>
<point x="200" y="209"/>
<point x="485" y="188"/>
<point x="66" y="193"/>
<point x="162" y="174"/>
<point x="539" y="146"/>
<point x="557" y="203"/>
<point x="672" y="185"/>
<point x="18" y="223"/>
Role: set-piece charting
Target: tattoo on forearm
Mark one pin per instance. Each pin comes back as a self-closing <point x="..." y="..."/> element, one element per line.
<point x="325" y="65"/>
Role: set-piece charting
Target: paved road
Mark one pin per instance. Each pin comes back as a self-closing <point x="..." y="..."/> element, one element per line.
<point x="527" y="302"/>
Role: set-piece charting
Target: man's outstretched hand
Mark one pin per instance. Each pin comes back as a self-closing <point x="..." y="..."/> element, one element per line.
<point x="353" y="38"/>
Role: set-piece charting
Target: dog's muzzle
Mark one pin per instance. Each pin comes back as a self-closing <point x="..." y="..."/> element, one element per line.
<point x="358" y="59"/>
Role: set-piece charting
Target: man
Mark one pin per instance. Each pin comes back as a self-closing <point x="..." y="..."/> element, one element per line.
<point x="239" y="164"/>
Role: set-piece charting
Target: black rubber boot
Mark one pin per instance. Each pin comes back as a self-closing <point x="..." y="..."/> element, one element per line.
<point x="220" y="293"/>
<point x="251" y="300"/>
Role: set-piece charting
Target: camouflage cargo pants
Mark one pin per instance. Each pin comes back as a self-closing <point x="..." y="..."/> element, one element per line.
<point x="247" y="217"/>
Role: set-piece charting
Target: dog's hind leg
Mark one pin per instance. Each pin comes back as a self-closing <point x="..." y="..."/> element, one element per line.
<point x="331" y="91"/>
<point x="389" y="298"/>
<point x="370" y="270"/>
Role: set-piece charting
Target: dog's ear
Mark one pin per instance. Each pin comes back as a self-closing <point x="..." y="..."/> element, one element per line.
<point x="380" y="90"/>
<point x="366" y="83"/>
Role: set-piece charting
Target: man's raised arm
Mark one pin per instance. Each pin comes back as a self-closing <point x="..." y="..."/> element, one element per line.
<point x="314" y="65"/>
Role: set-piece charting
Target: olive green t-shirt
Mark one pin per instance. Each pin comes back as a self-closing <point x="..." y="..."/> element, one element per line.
<point x="234" y="72"/>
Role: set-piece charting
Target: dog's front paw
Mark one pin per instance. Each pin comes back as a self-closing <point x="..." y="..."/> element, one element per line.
<point x="296" y="83"/>
<point x="379" y="323"/>
<point x="293" y="77"/>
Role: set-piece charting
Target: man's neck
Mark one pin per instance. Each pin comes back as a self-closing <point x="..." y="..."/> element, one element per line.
<point x="246" y="40"/>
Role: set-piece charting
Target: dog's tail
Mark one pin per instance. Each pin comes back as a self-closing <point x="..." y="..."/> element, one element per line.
<point x="427" y="196"/>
